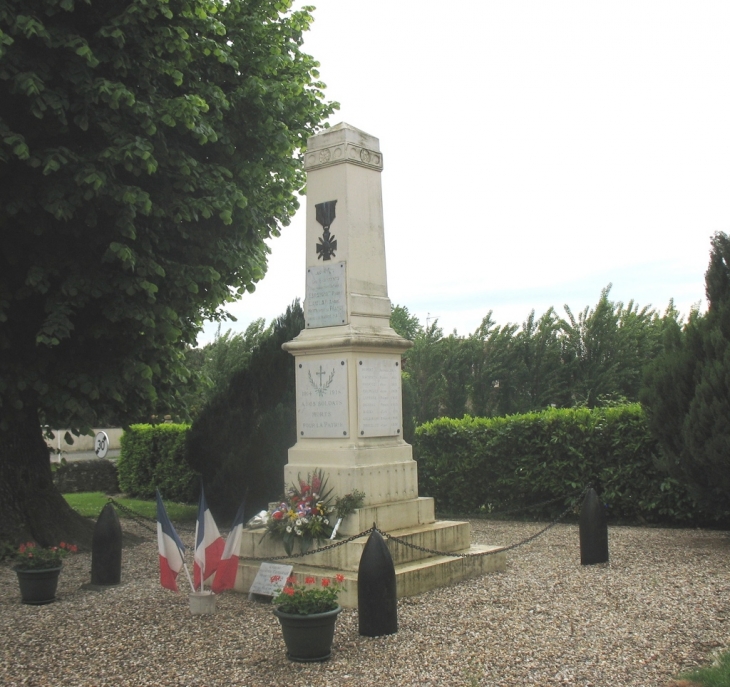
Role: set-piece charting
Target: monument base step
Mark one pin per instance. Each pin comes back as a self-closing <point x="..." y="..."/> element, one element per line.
<point x="416" y="571"/>
<point x="444" y="535"/>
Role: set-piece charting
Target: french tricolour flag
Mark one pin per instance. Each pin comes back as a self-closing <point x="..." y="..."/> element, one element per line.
<point x="170" y="548"/>
<point x="208" y="544"/>
<point x="225" y="578"/>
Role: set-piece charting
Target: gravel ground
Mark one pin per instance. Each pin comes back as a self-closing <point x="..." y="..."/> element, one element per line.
<point x="660" y="607"/>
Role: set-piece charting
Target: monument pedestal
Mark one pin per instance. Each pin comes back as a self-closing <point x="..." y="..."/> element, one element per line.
<point x="348" y="385"/>
<point x="415" y="571"/>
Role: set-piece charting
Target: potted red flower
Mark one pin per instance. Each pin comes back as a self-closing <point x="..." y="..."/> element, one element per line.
<point x="308" y="613"/>
<point x="38" y="569"/>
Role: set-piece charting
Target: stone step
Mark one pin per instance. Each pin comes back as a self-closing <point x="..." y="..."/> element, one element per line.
<point x="390" y="516"/>
<point x="413" y="577"/>
<point x="444" y="535"/>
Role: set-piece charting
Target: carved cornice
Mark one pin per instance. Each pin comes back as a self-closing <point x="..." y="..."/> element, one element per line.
<point x="343" y="152"/>
<point x="347" y="337"/>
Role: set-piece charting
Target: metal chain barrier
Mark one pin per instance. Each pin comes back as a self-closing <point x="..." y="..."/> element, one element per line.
<point x="482" y="553"/>
<point x="136" y="517"/>
<point x="512" y="511"/>
<point x="311" y="551"/>
<point x="433" y="552"/>
<point x="139" y="519"/>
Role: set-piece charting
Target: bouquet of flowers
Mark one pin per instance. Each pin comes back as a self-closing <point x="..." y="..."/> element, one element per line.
<point x="308" y="598"/>
<point x="32" y="557"/>
<point x="303" y="514"/>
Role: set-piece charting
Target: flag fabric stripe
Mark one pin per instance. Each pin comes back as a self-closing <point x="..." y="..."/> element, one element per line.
<point x="168" y="576"/>
<point x="208" y="543"/>
<point x="225" y="577"/>
<point x="170" y="548"/>
<point x="211" y="555"/>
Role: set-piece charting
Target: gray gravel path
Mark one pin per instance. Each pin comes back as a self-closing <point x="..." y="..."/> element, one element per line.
<point x="660" y="607"/>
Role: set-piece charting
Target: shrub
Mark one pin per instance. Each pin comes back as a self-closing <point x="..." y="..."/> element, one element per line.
<point x="495" y="464"/>
<point x="87" y="475"/>
<point x="153" y="457"/>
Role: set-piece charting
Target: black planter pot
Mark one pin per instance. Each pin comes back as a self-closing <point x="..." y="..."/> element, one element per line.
<point x="38" y="587"/>
<point x="308" y="637"/>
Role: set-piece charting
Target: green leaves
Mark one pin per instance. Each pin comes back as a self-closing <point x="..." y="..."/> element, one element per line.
<point x="686" y="392"/>
<point x="595" y="359"/>
<point x="498" y="464"/>
<point x="152" y="457"/>
<point x="147" y="151"/>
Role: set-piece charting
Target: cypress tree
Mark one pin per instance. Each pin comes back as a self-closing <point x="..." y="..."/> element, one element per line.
<point x="687" y="392"/>
<point x="240" y="440"/>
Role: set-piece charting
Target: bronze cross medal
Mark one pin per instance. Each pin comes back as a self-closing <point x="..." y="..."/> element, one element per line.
<point x="325" y="216"/>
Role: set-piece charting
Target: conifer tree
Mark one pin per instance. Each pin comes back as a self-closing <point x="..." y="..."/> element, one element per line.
<point x="239" y="442"/>
<point x="687" y="392"/>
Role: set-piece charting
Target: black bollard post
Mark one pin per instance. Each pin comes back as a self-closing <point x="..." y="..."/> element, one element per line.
<point x="106" y="549"/>
<point x="593" y="531"/>
<point x="377" y="603"/>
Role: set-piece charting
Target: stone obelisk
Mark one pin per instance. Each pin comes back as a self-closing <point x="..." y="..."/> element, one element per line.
<point x="348" y="359"/>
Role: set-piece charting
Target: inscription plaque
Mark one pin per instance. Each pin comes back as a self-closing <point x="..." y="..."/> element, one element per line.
<point x="322" y="408"/>
<point x="326" y="296"/>
<point x="380" y="412"/>
<point x="270" y="579"/>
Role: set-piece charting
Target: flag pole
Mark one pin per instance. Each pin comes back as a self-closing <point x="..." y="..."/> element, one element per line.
<point x="187" y="572"/>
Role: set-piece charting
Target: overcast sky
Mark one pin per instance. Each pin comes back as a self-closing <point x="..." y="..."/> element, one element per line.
<point x="535" y="151"/>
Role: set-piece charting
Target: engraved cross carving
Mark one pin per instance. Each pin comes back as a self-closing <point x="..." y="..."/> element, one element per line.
<point x="320" y="374"/>
<point x="327" y="244"/>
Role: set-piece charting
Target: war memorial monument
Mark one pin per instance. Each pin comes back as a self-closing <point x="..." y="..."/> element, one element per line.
<point x="348" y="385"/>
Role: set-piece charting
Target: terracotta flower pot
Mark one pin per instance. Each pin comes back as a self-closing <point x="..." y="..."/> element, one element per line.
<point x="308" y="637"/>
<point x="38" y="586"/>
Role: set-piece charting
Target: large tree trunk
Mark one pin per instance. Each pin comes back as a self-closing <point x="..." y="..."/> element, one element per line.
<point x="31" y="508"/>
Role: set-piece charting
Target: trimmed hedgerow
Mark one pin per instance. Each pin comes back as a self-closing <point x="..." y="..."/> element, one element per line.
<point x="153" y="457"/>
<point x="496" y="464"/>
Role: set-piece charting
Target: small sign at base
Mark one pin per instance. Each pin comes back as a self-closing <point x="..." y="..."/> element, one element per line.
<point x="270" y="579"/>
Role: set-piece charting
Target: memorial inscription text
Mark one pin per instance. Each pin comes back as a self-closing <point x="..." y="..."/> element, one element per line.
<point x="379" y="397"/>
<point x="326" y="296"/>
<point x="322" y="407"/>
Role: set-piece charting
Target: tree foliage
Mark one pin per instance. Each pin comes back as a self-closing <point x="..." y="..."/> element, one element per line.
<point x="591" y="359"/>
<point x="405" y="324"/>
<point x="687" y="392"/>
<point x="147" y="150"/>
<point x="215" y="363"/>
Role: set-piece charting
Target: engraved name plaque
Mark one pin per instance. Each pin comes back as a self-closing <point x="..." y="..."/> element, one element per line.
<point x="322" y="408"/>
<point x="379" y="397"/>
<point x="326" y="299"/>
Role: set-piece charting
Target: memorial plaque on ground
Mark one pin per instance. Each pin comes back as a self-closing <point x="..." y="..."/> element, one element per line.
<point x="322" y="408"/>
<point x="270" y="579"/>
<point x="326" y="298"/>
<point x="379" y="397"/>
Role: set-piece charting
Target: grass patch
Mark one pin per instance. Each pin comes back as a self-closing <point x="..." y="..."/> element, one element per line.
<point x="90" y="503"/>
<point x="716" y="675"/>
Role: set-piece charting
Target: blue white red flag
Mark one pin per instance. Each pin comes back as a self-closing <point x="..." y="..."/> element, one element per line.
<point x="208" y="544"/>
<point x="225" y="578"/>
<point x="170" y="548"/>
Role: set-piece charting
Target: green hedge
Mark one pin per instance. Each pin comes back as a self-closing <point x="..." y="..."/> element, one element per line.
<point x="153" y="457"/>
<point x="495" y="464"/>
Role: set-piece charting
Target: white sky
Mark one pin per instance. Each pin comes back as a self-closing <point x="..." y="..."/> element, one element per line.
<point x="534" y="151"/>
